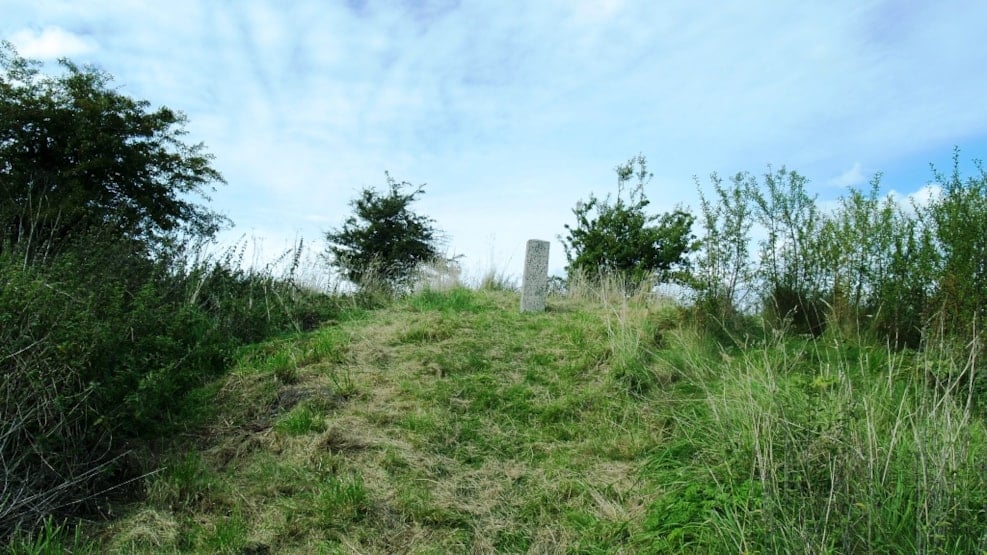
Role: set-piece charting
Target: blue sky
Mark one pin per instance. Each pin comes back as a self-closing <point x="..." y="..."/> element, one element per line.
<point x="512" y="111"/>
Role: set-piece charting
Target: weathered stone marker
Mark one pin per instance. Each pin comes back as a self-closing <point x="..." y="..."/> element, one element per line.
<point x="534" y="284"/>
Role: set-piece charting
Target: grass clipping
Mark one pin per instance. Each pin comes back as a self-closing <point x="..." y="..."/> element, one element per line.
<point x="449" y="422"/>
<point x="446" y="422"/>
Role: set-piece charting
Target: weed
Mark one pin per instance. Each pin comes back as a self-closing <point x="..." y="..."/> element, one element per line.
<point x="342" y="501"/>
<point x="51" y="538"/>
<point x="826" y="455"/>
<point x="458" y="299"/>
<point x="228" y="534"/>
<point x="303" y="419"/>
<point x="184" y="482"/>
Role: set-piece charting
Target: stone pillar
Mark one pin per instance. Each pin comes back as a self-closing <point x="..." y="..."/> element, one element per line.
<point x="534" y="285"/>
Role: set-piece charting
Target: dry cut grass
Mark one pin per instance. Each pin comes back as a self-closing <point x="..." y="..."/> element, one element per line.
<point x="447" y="422"/>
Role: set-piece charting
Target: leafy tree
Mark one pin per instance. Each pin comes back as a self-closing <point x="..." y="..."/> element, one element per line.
<point x="791" y="258"/>
<point x="383" y="241"/>
<point x="723" y="272"/>
<point x="958" y="221"/>
<point x="102" y="329"/>
<point x="618" y="236"/>
<point x="76" y="156"/>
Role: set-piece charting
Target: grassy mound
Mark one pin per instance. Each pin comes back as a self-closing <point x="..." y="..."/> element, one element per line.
<point x="450" y="422"/>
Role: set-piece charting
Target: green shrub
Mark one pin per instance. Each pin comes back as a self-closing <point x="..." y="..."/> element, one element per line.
<point x="383" y="242"/>
<point x="789" y="266"/>
<point x="619" y="238"/>
<point x="723" y="274"/>
<point x="879" y="266"/>
<point x="105" y="344"/>
<point x="957" y="221"/>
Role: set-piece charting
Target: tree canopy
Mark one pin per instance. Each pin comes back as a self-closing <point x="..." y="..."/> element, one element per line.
<point x="77" y="156"/>
<point x="618" y="236"/>
<point x="383" y="239"/>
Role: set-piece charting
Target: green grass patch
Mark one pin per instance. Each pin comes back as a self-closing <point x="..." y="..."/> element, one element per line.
<point x="450" y="422"/>
<point x="303" y="419"/>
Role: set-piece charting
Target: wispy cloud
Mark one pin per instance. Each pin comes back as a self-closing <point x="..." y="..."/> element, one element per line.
<point x="51" y="43"/>
<point x="853" y="177"/>
<point x="513" y="111"/>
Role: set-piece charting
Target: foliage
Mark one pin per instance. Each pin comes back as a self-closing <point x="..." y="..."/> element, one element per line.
<point x="957" y="220"/>
<point x="109" y="310"/>
<point x="870" y="266"/>
<point x="619" y="237"/>
<point x="103" y="344"/>
<point x="878" y="264"/>
<point x="383" y="242"/>
<point x="723" y="265"/>
<point x="76" y="156"/>
<point x="789" y="268"/>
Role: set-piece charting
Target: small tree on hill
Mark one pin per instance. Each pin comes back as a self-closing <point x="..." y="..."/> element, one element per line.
<point x="383" y="240"/>
<point x="618" y="236"/>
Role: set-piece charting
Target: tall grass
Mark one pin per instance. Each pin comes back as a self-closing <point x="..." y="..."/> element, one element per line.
<point x="812" y="447"/>
<point x="100" y="344"/>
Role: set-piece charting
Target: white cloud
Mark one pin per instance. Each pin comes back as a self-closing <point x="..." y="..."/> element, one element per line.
<point x="918" y="199"/>
<point x="51" y="43"/>
<point x="513" y="111"/>
<point x="853" y="177"/>
<point x="926" y="195"/>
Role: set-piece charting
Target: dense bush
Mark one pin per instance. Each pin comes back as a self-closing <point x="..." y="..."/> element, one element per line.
<point x="879" y="265"/>
<point x="957" y="221"/>
<point x="870" y="266"/>
<point x="790" y="270"/>
<point x="384" y="241"/>
<point x="99" y="346"/>
<point x="619" y="238"/>
<point x="106" y="317"/>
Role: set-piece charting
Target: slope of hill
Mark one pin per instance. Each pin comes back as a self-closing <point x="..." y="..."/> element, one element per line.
<point x="449" y="422"/>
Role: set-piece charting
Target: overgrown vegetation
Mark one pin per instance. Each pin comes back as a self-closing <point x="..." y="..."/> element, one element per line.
<point x="619" y="238"/>
<point x="96" y="357"/>
<point x="446" y="422"/>
<point x="110" y="308"/>
<point x="450" y="422"/>
<point x="822" y="393"/>
<point x="893" y="272"/>
<point x="384" y="242"/>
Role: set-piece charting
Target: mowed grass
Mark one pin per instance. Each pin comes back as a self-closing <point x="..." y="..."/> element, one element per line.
<point x="447" y="422"/>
